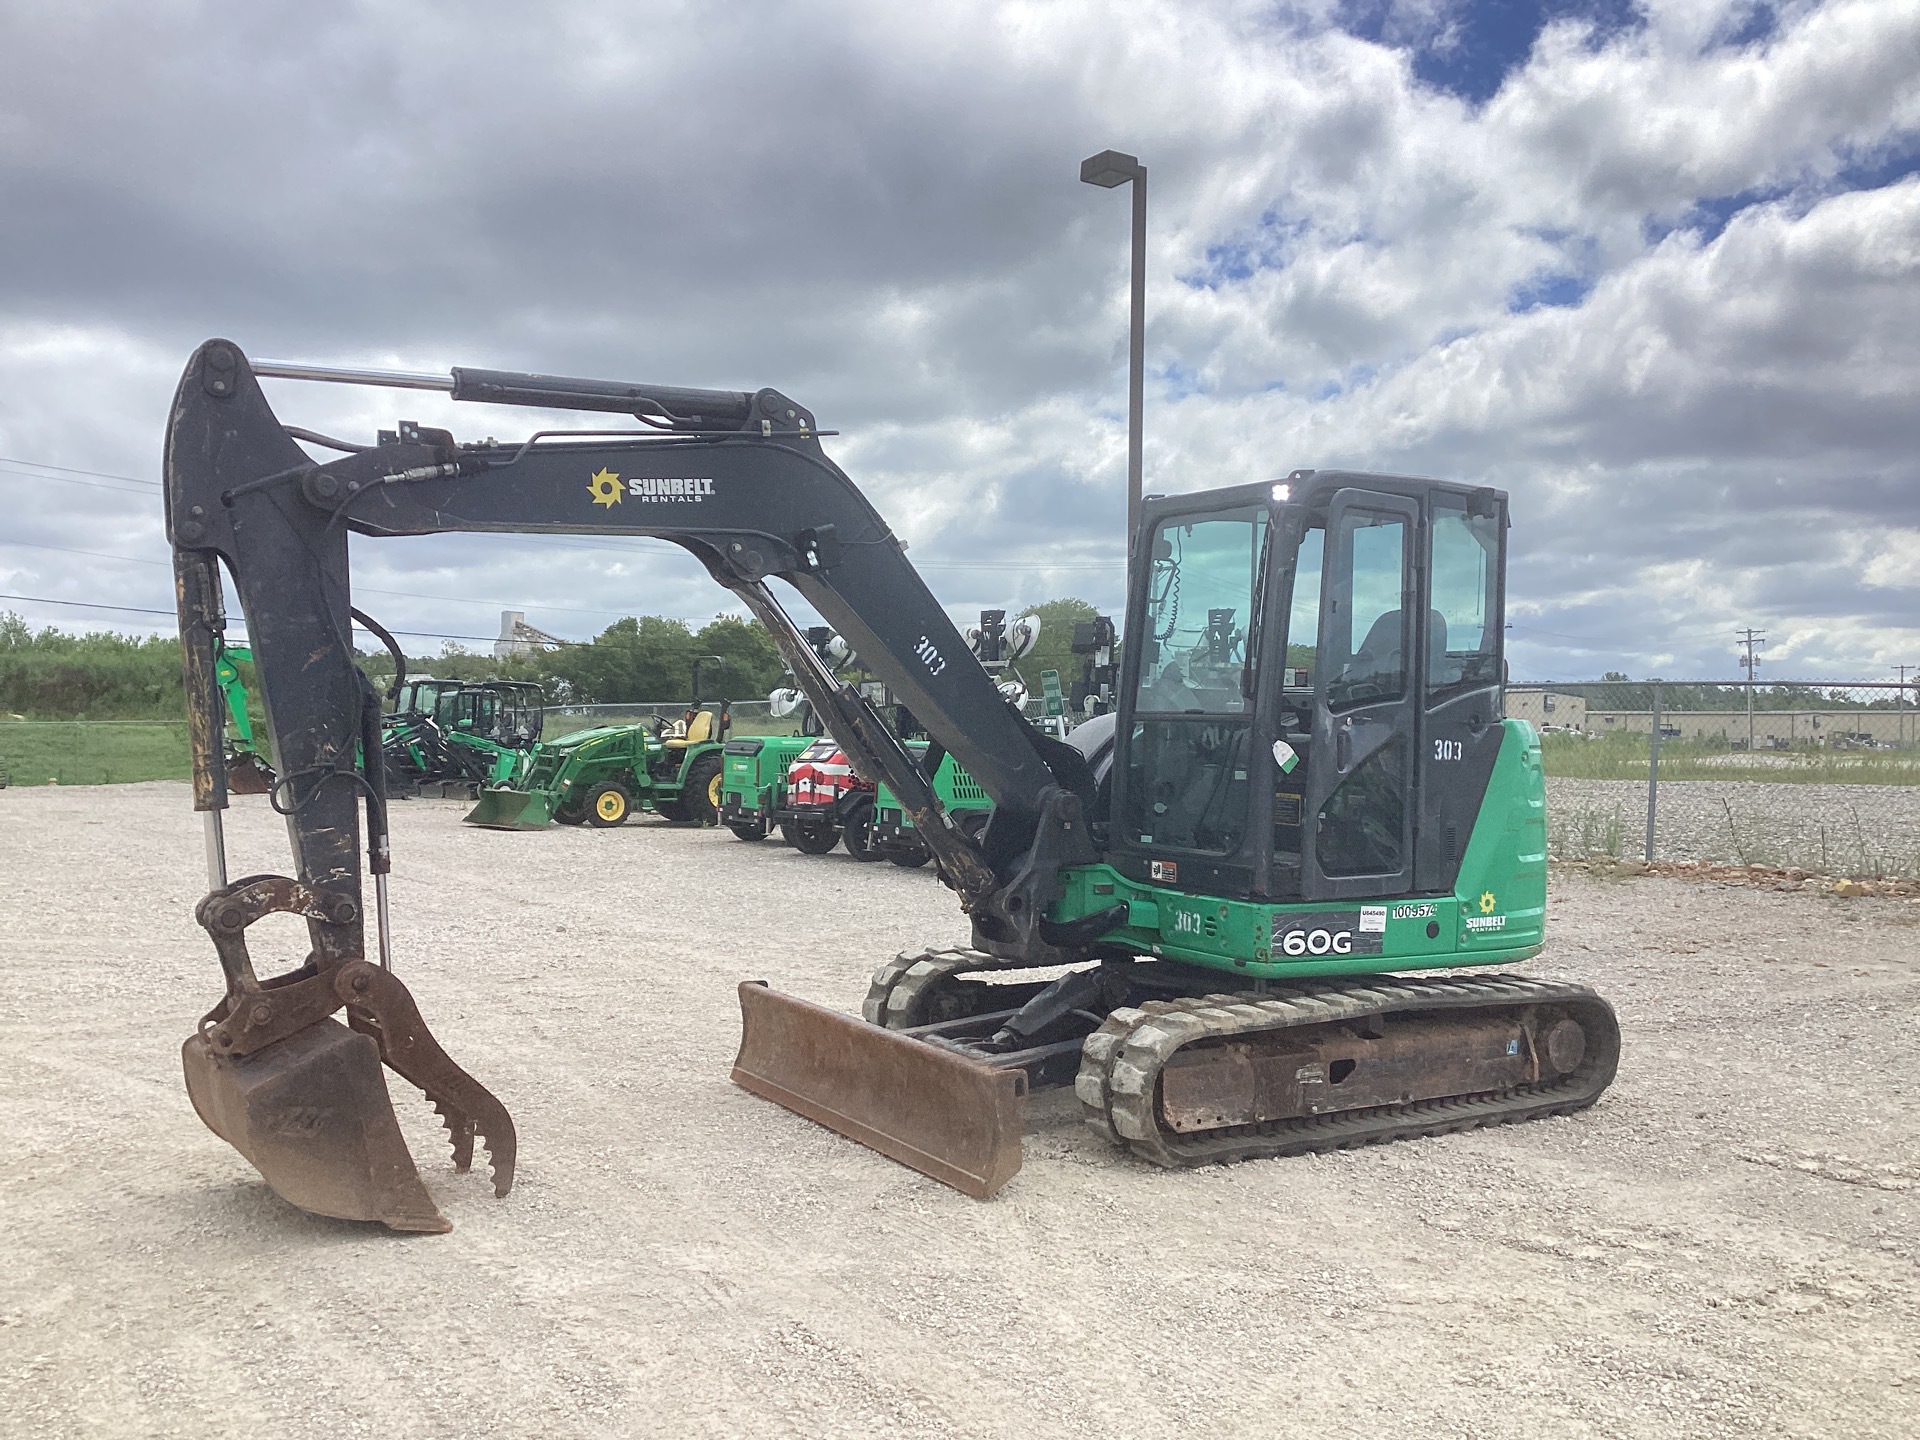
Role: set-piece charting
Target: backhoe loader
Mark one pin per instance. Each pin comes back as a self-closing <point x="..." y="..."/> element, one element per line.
<point x="1307" y="786"/>
<point x="247" y="772"/>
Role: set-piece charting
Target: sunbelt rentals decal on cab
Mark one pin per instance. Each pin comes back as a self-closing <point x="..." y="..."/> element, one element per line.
<point x="1486" y="920"/>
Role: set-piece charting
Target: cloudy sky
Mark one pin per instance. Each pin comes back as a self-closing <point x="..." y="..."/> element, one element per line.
<point x="1651" y="265"/>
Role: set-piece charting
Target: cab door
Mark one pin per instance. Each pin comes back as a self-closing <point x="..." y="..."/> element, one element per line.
<point x="1358" y="806"/>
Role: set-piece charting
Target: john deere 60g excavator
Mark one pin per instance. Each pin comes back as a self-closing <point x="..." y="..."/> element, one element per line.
<point x="1307" y="787"/>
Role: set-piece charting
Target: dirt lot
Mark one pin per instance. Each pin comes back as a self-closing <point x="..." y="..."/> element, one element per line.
<point x="1729" y="1244"/>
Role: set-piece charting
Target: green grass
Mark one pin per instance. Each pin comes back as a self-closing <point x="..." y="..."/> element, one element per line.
<point x="1624" y="757"/>
<point x="1578" y="832"/>
<point x="93" y="752"/>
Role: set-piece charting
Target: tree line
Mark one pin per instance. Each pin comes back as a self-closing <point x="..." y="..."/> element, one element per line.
<point x="53" y="675"/>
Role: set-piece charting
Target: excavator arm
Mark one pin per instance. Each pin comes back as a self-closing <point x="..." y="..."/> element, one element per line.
<point x="737" y="479"/>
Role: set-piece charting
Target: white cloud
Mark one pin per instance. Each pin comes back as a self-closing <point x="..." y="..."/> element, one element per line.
<point x="873" y="208"/>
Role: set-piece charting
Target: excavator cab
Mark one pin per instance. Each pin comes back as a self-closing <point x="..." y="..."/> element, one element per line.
<point x="1312" y="705"/>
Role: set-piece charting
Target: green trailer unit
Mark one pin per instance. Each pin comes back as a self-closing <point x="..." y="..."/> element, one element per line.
<point x="753" y="781"/>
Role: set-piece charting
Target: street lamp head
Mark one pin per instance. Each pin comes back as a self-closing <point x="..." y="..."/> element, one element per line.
<point x="1110" y="168"/>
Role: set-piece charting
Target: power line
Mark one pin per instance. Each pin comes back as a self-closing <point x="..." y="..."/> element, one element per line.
<point x="91" y="554"/>
<point x="85" y="604"/>
<point x="70" y="480"/>
<point x="416" y="634"/>
<point x="362" y="589"/>
<point x="71" y="470"/>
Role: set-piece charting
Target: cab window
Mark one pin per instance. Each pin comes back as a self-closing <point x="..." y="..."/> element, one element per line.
<point x="1203" y="578"/>
<point x="1463" y="647"/>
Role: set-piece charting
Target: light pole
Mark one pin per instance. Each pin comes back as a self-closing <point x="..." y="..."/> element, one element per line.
<point x="1109" y="169"/>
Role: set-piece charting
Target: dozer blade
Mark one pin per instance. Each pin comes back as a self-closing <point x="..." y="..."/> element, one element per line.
<point x="941" y="1112"/>
<point x="501" y="808"/>
<point x="312" y="1113"/>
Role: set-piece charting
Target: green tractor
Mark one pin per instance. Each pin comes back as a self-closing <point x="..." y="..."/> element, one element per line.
<point x="601" y="776"/>
<point x="460" y="735"/>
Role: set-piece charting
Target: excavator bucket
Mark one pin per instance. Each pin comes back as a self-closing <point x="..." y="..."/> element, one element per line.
<point x="504" y="808"/>
<point x="312" y="1113"/>
<point x="943" y="1113"/>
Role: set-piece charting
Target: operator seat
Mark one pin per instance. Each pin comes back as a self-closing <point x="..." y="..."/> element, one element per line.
<point x="1382" y="654"/>
<point x="699" y="731"/>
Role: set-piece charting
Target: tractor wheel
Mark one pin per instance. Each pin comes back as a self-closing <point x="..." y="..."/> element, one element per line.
<point x="815" y="838"/>
<point x="910" y="859"/>
<point x="858" y="834"/>
<point x="700" y="792"/>
<point x="748" y="832"/>
<point x="571" y="817"/>
<point x="608" y="805"/>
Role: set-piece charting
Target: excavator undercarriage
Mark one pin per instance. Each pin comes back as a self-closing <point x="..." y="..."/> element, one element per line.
<point x="1178" y="1072"/>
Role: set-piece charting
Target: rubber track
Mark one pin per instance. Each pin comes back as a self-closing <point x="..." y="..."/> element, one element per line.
<point x="1120" y="1067"/>
<point x="897" y="994"/>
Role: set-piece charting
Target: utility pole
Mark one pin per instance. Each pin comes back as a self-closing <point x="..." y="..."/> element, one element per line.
<point x="1750" y="662"/>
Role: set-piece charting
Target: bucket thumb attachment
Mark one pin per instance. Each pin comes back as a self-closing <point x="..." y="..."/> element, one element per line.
<point x="303" y="1097"/>
<point x="943" y="1113"/>
<point x="503" y="808"/>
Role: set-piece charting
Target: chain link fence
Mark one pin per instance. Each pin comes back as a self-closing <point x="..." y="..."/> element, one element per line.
<point x="1819" y="776"/>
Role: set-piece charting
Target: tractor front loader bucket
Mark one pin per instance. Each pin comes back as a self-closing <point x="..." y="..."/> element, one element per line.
<point x="503" y="808"/>
<point x="312" y="1114"/>
<point x="943" y="1113"/>
<point x="248" y="774"/>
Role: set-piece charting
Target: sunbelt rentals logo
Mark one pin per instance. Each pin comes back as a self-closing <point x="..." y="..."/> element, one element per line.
<point x="1486" y="919"/>
<point x="609" y="490"/>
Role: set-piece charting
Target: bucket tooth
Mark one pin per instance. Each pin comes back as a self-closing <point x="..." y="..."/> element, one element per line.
<point x="313" y="1116"/>
<point x="943" y="1113"/>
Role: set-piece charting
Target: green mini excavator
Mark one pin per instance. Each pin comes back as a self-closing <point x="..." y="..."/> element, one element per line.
<point x="1270" y="892"/>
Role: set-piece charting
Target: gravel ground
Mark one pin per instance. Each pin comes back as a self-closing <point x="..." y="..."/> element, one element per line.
<point x="1837" y="829"/>
<point x="1728" y="1245"/>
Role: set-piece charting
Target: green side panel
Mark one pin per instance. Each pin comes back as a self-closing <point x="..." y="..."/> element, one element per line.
<point x="759" y="781"/>
<point x="1503" y="876"/>
<point x="1495" y="915"/>
<point x="956" y="789"/>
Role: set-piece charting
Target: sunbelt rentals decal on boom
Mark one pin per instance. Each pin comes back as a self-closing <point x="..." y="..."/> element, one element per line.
<point x="606" y="488"/>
